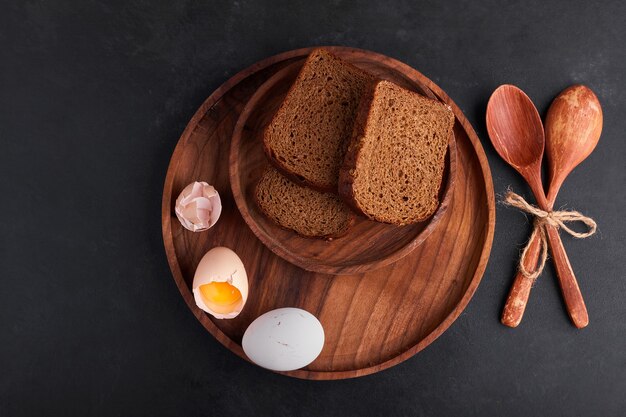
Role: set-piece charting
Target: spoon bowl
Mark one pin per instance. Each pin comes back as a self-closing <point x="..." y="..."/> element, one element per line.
<point x="515" y="128"/>
<point x="573" y="128"/>
<point x="516" y="132"/>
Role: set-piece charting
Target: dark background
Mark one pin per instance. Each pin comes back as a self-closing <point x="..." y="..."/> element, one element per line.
<point x="93" y="97"/>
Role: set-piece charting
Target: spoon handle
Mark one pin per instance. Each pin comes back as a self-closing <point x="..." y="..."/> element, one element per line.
<point x="520" y="290"/>
<point x="569" y="286"/>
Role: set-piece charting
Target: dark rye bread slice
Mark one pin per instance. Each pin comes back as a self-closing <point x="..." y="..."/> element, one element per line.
<point x="308" y="212"/>
<point x="308" y="136"/>
<point x="394" y="165"/>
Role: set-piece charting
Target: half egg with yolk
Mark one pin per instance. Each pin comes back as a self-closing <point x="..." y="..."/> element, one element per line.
<point x="220" y="284"/>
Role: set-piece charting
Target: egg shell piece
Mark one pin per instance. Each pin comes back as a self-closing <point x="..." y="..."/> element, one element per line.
<point x="284" y="339"/>
<point x="198" y="207"/>
<point x="220" y="264"/>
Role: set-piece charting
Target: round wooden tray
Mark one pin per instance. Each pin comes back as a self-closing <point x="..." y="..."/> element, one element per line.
<point x="372" y="320"/>
<point x="367" y="245"/>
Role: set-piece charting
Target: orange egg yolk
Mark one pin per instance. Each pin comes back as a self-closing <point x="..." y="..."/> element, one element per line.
<point x="220" y="293"/>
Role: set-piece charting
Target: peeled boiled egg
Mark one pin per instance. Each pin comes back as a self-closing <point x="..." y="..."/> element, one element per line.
<point x="284" y="339"/>
<point x="220" y="284"/>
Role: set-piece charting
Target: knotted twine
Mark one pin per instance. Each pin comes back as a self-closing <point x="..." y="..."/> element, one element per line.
<point x="542" y="220"/>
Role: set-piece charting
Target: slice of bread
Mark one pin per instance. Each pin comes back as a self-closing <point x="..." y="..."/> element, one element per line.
<point x="308" y="212"/>
<point x="394" y="165"/>
<point x="308" y="136"/>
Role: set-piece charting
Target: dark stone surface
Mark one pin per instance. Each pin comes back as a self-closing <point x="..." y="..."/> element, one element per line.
<point x="93" y="97"/>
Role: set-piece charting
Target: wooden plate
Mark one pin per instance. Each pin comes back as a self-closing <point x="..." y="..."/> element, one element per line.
<point x="372" y="320"/>
<point x="368" y="245"/>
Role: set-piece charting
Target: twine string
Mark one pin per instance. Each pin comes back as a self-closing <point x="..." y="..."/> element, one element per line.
<point x="544" y="218"/>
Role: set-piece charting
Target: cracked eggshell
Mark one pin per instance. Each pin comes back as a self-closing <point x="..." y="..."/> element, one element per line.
<point x="220" y="264"/>
<point x="284" y="339"/>
<point x="198" y="207"/>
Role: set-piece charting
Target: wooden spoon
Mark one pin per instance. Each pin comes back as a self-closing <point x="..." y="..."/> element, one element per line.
<point x="516" y="132"/>
<point x="573" y="128"/>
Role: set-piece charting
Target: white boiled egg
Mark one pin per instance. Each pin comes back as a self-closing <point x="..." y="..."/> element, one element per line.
<point x="220" y="284"/>
<point x="284" y="339"/>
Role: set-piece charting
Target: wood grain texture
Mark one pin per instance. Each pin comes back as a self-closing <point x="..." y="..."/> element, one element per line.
<point x="372" y="320"/>
<point x="368" y="245"/>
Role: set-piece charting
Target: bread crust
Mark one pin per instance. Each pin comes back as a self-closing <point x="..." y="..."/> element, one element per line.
<point x="348" y="168"/>
<point x="290" y="174"/>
